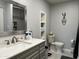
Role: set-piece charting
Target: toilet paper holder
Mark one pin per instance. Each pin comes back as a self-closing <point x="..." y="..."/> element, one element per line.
<point x="73" y="42"/>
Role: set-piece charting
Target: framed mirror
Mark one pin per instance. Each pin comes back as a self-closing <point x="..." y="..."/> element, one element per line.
<point x="12" y="16"/>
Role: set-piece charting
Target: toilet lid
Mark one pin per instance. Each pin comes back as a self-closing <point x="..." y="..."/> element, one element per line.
<point x="58" y="43"/>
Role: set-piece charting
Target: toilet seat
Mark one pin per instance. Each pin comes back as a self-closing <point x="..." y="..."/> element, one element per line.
<point x="58" y="43"/>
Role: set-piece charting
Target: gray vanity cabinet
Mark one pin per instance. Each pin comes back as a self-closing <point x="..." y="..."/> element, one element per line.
<point x="42" y="54"/>
<point x="35" y="56"/>
<point x="42" y="51"/>
<point x="36" y="52"/>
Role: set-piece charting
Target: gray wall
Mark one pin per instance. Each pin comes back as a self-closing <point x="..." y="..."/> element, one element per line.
<point x="33" y="14"/>
<point x="68" y="32"/>
<point x="8" y="18"/>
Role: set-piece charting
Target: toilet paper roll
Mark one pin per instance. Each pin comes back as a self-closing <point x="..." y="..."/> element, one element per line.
<point x="72" y="43"/>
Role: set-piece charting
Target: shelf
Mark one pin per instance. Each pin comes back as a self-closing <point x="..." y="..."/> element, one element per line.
<point x="43" y="25"/>
<point x="43" y="18"/>
<point x="42" y="33"/>
<point x="42" y="29"/>
<point x="43" y="22"/>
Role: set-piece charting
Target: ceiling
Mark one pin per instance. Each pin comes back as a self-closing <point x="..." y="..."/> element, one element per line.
<point x="56" y="1"/>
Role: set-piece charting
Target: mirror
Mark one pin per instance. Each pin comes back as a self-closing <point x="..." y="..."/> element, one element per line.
<point x="18" y="18"/>
<point x="12" y="16"/>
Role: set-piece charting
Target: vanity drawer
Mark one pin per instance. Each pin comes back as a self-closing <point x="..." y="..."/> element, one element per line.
<point x="26" y="54"/>
<point x="32" y="50"/>
<point x="42" y="44"/>
<point x="31" y="56"/>
<point x="35" y="55"/>
<point x="43" y="54"/>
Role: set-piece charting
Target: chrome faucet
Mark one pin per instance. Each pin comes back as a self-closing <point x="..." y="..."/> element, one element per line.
<point x="14" y="39"/>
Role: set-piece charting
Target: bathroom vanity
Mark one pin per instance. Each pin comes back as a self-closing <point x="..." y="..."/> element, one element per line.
<point x="27" y="49"/>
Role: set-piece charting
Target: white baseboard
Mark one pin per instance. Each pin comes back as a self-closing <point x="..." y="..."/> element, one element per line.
<point x="68" y="52"/>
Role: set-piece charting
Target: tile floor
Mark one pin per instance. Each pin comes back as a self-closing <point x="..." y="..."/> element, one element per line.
<point x="54" y="56"/>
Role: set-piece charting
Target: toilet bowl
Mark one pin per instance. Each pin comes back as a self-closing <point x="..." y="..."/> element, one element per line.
<point x="59" y="46"/>
<point x="56" y="46"/>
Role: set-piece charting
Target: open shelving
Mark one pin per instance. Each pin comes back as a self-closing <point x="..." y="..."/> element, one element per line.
<point x="43" y="25"/>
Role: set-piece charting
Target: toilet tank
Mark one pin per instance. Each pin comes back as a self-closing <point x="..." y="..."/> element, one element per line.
<point x="51" y="37"/>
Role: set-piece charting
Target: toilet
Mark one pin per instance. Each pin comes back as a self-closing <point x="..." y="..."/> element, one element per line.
<point x="58" y="45"/>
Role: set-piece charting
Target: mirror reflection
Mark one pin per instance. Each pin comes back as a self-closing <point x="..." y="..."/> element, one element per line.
<point x="12" y="17"/>
<point x="18" y="18"/>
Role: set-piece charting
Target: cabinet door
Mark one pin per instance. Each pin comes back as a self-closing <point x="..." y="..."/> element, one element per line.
<point x="42" y="54"/>
<point x="44" y="57"/>
<point x="36" y="56"/>
<point x="29" y="57"/>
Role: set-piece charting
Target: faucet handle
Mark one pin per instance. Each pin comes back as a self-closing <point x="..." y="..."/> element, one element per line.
<point x="7" y="42"/>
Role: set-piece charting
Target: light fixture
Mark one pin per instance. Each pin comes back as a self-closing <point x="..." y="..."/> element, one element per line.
<point x="64" y="18"/>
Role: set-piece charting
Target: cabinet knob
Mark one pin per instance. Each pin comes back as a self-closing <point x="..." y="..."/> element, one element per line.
<point x="46" y="47"/>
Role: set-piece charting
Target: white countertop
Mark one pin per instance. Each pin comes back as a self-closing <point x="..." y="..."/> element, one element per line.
<point x="10" y="51"/>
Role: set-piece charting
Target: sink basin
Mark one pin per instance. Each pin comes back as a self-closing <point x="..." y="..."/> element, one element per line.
<point x="16" y="44"/>
<point x="17" y="47"/>
<point x="19" y="44"/>
<point x="25" y="41"/>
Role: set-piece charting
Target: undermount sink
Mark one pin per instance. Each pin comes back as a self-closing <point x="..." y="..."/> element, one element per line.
<point x="17" y="44"/>
<point x="26" y="41"/>
<point x="20" y="44"/>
